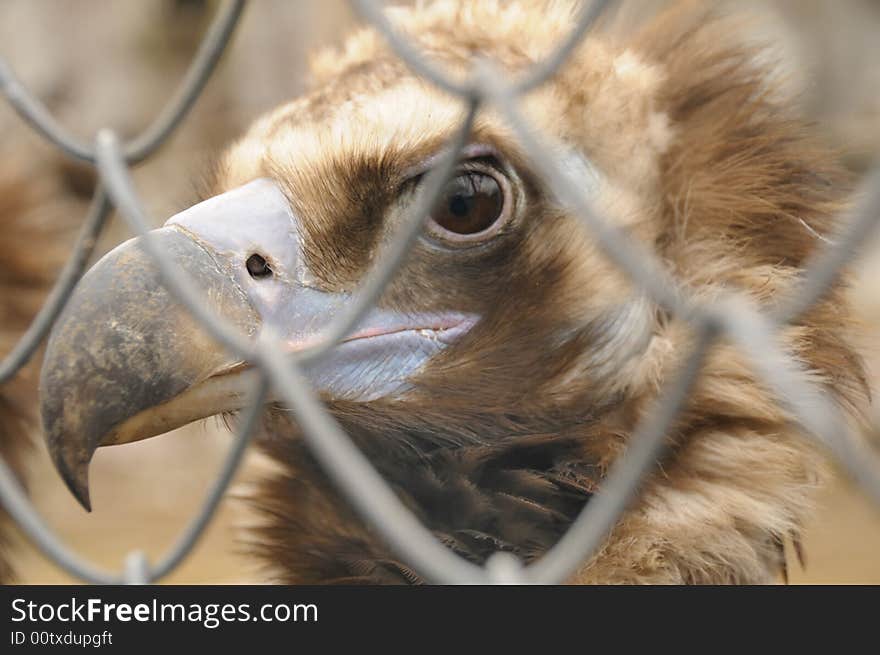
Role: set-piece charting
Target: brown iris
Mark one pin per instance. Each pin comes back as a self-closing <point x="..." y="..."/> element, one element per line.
<point x="471" y="203"/>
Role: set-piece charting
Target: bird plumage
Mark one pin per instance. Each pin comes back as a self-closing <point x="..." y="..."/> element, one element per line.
<point x="506" y="439"/>
<point x="683" y="140"/>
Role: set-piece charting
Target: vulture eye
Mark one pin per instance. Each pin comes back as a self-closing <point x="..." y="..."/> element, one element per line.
<point x="258" y="267"/>
<point x="471" y="205"/>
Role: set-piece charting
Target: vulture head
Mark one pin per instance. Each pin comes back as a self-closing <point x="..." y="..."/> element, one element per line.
<point x="509" y="361"/>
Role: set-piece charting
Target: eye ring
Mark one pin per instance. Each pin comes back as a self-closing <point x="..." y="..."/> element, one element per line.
<point x="473" y="207"/>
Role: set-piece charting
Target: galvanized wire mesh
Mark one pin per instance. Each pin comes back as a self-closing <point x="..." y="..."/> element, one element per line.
<point x="733" y="317"/>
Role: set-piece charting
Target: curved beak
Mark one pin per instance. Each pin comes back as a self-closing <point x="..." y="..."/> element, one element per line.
<point x="125" y="361"/>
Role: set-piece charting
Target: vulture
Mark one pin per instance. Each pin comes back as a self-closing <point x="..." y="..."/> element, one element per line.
<point x="507" y="364"/>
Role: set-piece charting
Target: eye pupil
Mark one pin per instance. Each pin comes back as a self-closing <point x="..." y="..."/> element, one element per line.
<point x="471" y="203"/>
<point x="258" y="267"/>
<point x="459" y="205"/>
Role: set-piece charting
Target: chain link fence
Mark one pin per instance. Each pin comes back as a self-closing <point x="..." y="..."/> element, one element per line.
<point x="733" y="317"/>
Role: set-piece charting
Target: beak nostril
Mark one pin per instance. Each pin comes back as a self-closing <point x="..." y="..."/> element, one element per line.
<point x="258" y="267"/>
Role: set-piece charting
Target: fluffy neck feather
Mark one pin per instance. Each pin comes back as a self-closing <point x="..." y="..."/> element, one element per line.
<point x="517" y="489"/>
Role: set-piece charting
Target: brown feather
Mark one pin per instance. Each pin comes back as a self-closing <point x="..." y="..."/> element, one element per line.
<point x="506" y="436"/>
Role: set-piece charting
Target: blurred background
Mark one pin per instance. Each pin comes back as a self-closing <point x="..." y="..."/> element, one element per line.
<point x="97" y="63"/>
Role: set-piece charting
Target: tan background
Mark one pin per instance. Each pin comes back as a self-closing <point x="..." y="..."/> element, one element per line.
<point x="100" y="63"/>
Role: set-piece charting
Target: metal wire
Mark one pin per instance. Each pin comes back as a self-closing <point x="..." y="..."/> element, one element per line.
<point x="733" y="318"/>
<point x="212" y="47"/>
<point x="56" y="300"/>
